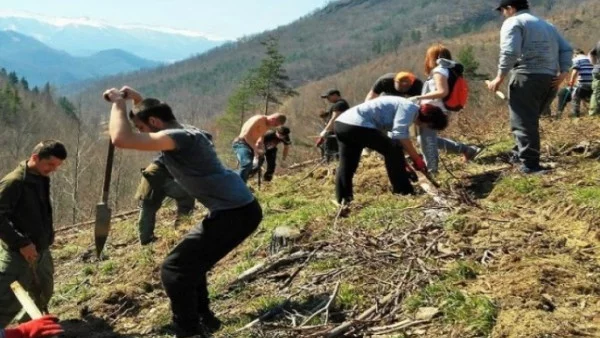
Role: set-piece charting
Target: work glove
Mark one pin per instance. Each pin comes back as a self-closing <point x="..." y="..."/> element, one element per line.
<point x="419" y="164"/>
<point x="45" y="326"/>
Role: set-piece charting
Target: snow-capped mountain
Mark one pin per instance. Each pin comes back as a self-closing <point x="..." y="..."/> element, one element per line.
<point x="84" y="37"/>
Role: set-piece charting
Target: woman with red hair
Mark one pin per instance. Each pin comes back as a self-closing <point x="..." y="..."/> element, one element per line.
<point x="438" y="62"/>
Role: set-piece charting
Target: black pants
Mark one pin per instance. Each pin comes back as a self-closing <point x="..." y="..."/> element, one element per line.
<point x="183" y="272"/>
<point x="271" y="158"/>
<point x="352" y="140"/>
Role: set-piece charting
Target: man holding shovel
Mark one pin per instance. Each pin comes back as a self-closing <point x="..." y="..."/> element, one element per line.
<point x="234" y="213"/>
<point x="26" y="230"/>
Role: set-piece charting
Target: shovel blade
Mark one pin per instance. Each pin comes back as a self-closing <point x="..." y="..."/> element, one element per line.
<point x="102" y="226"/>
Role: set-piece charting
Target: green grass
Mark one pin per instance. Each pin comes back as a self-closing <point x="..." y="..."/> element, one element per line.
<point x="462" y="270"/>
<point x="529" y="187"/>
<point x="349" y="296"/>
<point x="476" y="312"/>
<point x="108" y="268"/>
<point x="587" y="196"/>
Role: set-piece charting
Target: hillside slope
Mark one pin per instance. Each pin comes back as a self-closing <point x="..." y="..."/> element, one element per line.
<point x="578" y="24"/>
<point x="343" y="34"/>
<point x="494" y="254"/>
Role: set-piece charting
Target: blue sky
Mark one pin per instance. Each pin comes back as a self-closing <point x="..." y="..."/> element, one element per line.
<point x="221" y="18"/>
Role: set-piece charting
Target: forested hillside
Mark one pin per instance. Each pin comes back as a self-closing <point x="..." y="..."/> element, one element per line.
<point x="30" y="115"/>
<point x="343" y="34"/>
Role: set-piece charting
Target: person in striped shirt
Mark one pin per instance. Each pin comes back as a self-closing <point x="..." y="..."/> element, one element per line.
<point x="595" y="100"/>
<point x="581" y="80"/>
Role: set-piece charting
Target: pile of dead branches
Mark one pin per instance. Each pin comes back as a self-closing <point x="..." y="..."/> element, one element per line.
<point x="387" y="266"/>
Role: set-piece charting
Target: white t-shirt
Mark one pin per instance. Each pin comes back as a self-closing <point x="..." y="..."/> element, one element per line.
<point x="429" y="86"/>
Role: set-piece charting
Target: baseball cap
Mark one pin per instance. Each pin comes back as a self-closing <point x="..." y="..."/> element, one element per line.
<point x="285" y="132"/>
<point x="506" y="3"/>
<point x="330" y="91"/>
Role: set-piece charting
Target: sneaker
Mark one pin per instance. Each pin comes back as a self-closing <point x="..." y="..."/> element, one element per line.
<point x="537" y="170"/>
<point x="513" y="158"/>
<point x="149" y="241"/>
<point x="472" y="153"/>
<point x="210" y="321"/>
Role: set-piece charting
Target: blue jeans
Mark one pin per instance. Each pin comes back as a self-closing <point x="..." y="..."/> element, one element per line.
<point x="245" y="156"/>
<point x="430" y="143"/>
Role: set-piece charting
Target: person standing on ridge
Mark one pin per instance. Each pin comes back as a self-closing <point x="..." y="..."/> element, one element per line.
<point x="538" y="60"/>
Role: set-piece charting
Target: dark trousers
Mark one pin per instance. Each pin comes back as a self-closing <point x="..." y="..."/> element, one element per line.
<point x="183" y="272"/>
<point x="271" y="159"/>
<point x="529" y="96"/>
<point x="352" y="140"/>
<point x="580" y="93"/>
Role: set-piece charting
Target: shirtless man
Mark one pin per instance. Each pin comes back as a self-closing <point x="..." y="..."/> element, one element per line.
<point x="250" y="143"/>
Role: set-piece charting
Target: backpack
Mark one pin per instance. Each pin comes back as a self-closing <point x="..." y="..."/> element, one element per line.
<point x="456" y="100"/>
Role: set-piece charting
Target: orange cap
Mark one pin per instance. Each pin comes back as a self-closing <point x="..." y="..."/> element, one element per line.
<point x="405" y="75"/>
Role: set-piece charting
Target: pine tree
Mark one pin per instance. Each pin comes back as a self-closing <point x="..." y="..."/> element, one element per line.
<point x="269" y="80"/>
<point x="466" y="56"/>
<point x="24" y="83"/>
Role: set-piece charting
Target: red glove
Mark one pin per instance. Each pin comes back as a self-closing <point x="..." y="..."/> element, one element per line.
<point x="420" y="164"/>
<point x="320" y="141"/>
<point x="46" y="326"/>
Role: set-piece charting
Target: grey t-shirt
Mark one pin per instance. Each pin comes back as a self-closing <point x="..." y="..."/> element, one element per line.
<point x="195" y="166"/>
<point x="386" y="113"/>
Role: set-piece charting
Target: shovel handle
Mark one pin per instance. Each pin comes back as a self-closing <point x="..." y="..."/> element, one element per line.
<point x="123" y="95"/>
<point x="108" y="172"/>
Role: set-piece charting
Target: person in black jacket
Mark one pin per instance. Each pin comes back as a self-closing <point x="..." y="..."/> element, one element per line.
<point x="327" y="141"/>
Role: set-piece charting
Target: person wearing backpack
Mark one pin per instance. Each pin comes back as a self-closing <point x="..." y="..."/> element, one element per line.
<point x="447" y="89"/>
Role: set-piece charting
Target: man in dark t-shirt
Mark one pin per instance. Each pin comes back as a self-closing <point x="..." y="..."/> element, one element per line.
<point x="190" y="157"/>
<point x="404" y="84"/>
<point x="271" y="139"/>
<point x="327" y="141"/>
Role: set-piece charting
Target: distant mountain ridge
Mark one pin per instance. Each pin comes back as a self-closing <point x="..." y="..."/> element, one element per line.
<point x="39" y="63"/>
<point x="84" y="37"/>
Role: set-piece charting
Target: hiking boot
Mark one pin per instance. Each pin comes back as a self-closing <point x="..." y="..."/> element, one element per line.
<point x="210" y="322"/>
<point x="472" y="153"/>
<point x="537" y="170"/>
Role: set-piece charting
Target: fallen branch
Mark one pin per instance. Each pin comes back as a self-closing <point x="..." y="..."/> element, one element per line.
<point x="341" y="329"/>
<point x="396" y="327"/>
<point x="267" y="315"/>
<point x="74" y="226"/>
<point x="267" y="266"/>
<point x="302" y="164"/>
<point x="324" y="308"/>
<point x="295" y="273"/>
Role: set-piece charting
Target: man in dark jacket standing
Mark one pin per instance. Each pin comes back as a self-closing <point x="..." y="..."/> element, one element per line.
<point x="26" y="230"/>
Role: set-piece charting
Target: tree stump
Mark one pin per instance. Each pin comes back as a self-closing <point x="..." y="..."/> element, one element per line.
<point x="282" y="237"/>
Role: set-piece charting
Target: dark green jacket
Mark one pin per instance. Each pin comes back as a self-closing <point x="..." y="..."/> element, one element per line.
<point x="25" y="210"/>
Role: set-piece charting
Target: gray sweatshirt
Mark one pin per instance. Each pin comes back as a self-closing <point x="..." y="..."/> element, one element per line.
<point x="531" y="45"/>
